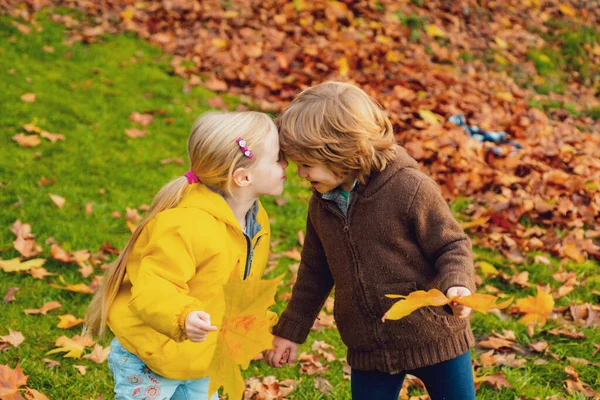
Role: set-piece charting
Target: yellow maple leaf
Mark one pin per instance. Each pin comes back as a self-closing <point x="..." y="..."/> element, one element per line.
<point x="69" y="321"/>
<point x="420" y="298"/>
<point x="72" y="346"/>
<point x="567" y="10"/>
<point x="481" y="302"/>
<point x="244" y="331"/>
<point x="413" y="302"/>
<point x="344" y="67"/>
<point x="16" y="265"/>
<point x="536" y="309"/>
<point x="78" y="287"/>
<point x="434" y="31"/>
<point x="430" y="117"/>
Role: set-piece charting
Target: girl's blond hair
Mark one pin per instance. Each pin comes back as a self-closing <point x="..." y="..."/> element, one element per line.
<point x="214" y="155"/>
<point x="338" y="125"/>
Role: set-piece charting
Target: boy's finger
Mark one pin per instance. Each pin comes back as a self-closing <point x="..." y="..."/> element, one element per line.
<point x="292" y="357"/>
<point x="277" y="357"/>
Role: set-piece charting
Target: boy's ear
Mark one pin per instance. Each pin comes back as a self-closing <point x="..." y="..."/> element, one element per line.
<point x="241" y="177"/>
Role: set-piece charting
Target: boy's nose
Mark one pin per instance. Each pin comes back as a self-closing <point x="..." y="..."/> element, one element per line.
<point x="301" y="173"/>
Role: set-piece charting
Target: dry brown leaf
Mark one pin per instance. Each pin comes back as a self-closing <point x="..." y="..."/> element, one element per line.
<point x="14" y="338"/>
<point x="141" y="119"/>
<point x="99" y="354"/>
<point x="52" y="305"/>
<point x="81" y="369"/>
<point x="40" y="273"/>
<point x="27" y="140"/>
<point x="10" y="294"/>
<point x="52" y="137"/>
<point x="28" y="97"/>
<point x="135" y="133"/>
<point x="59" y="201"/>
<point x="50" y="363"/>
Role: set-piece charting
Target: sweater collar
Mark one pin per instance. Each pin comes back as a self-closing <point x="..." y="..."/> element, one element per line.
<point x="377" y="179"/>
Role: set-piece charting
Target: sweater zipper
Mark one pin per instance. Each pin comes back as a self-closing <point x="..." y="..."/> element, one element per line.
<point x="346" y="221"/>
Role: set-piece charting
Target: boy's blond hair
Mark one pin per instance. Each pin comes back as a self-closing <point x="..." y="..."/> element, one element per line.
<point x="338" y="125"/>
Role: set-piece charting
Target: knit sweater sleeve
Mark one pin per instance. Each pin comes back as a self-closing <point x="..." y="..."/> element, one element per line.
<point x="313" y="285"/>
<point x="441" y="238"/>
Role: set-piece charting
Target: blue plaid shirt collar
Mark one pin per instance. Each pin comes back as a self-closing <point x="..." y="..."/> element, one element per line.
<point x="339" y="199"/>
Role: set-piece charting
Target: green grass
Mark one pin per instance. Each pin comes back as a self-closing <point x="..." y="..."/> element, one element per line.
<point x="87" y="92"/>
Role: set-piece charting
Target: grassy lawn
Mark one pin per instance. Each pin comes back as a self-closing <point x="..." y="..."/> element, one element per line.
<point x="86" y="93"/>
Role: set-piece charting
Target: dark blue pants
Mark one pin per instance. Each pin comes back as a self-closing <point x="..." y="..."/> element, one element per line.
<point x="448" y="380"/>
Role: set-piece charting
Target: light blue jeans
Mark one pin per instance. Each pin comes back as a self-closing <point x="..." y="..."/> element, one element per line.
<point x="134" y="380"/>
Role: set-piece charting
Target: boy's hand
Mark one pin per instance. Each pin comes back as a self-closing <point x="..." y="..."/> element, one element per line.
<point x="459" y="310"/>
<point x="197" y="326"/>
<point x="283" y="351"/>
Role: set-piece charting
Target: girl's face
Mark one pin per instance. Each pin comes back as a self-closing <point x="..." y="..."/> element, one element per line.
<point x="268" y="174"/>
<point x="323" y="179"/>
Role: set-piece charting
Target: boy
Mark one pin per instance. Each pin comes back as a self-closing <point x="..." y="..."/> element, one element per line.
<point x="376" y="225"/>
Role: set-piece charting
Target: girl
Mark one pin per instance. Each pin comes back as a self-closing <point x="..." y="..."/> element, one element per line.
<point x="163" y="296"/>
<point x="376" y="225"/>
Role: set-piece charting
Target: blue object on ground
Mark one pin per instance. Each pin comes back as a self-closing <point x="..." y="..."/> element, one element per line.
<point x="483" y="136"/>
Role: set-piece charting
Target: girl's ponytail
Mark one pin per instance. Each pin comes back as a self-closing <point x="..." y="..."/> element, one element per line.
<point x="97" y="314"/>
<point x="214" y="154"/>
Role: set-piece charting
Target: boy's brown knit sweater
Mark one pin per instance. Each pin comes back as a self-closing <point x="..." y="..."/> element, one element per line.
<point x="399" y="236"/>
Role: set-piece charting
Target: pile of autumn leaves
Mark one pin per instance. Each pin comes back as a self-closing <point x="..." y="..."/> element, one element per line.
<point x="267" y="53"/>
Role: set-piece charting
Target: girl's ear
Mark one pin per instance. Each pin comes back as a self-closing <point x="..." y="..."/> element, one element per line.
<point x="241" y="177"/>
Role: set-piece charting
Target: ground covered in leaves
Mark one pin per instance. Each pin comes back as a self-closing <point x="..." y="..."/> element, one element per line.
<point x="98" y="121"/>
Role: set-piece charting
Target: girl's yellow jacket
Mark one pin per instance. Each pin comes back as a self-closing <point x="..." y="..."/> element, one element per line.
<point x="179" y="264"/>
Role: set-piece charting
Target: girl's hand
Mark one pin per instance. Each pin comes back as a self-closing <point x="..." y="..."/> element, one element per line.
<point x="459" y="310"/>
<point x="284" y="351"/>
<point x="197" y="326"/>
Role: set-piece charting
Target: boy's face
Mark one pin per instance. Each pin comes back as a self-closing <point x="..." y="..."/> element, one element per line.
<point x="323" y="179"/>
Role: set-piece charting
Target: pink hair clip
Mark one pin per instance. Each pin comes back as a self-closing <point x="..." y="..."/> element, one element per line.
<point x="244" y="147"/>
<point x="191" y="177"/>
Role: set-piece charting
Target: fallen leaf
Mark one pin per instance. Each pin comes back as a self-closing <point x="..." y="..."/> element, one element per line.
<point x="68" y="321"/>
<point x="32" y="394"/>
<point x="172" y="160"/>
<point x="82" y="369"/>
<point x="135" y="133"/>
<point x="99" y="354"/>
<point x="78" y="287"/>
<point x="536" y="309"/>
<point x="50" y="363"/>
<point x="14" y="338"/>
<point x="28" y="97"/>
<point x="429" y="117"/>
<point x="10" y="294"/>
<point x="15" y="264"/>
<point x="45" y="308"/>
<point x="73" y="347"/>
<point x="10" y="382"/>
<point x="52" y="137"/>
<point x="40" y="273"/>
<point x="293" y="253"/>
<point x="27" y="140"/>
<point x="59" y="201"/>
<point x="141" y="119"/>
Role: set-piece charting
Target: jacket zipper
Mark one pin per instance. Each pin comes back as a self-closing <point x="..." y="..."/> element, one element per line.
<point x="345" y="219"/>
<point x="250" y="253"/>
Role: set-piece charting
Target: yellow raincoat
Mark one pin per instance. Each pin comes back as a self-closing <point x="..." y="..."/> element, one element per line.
<point x="179" y="264"/>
